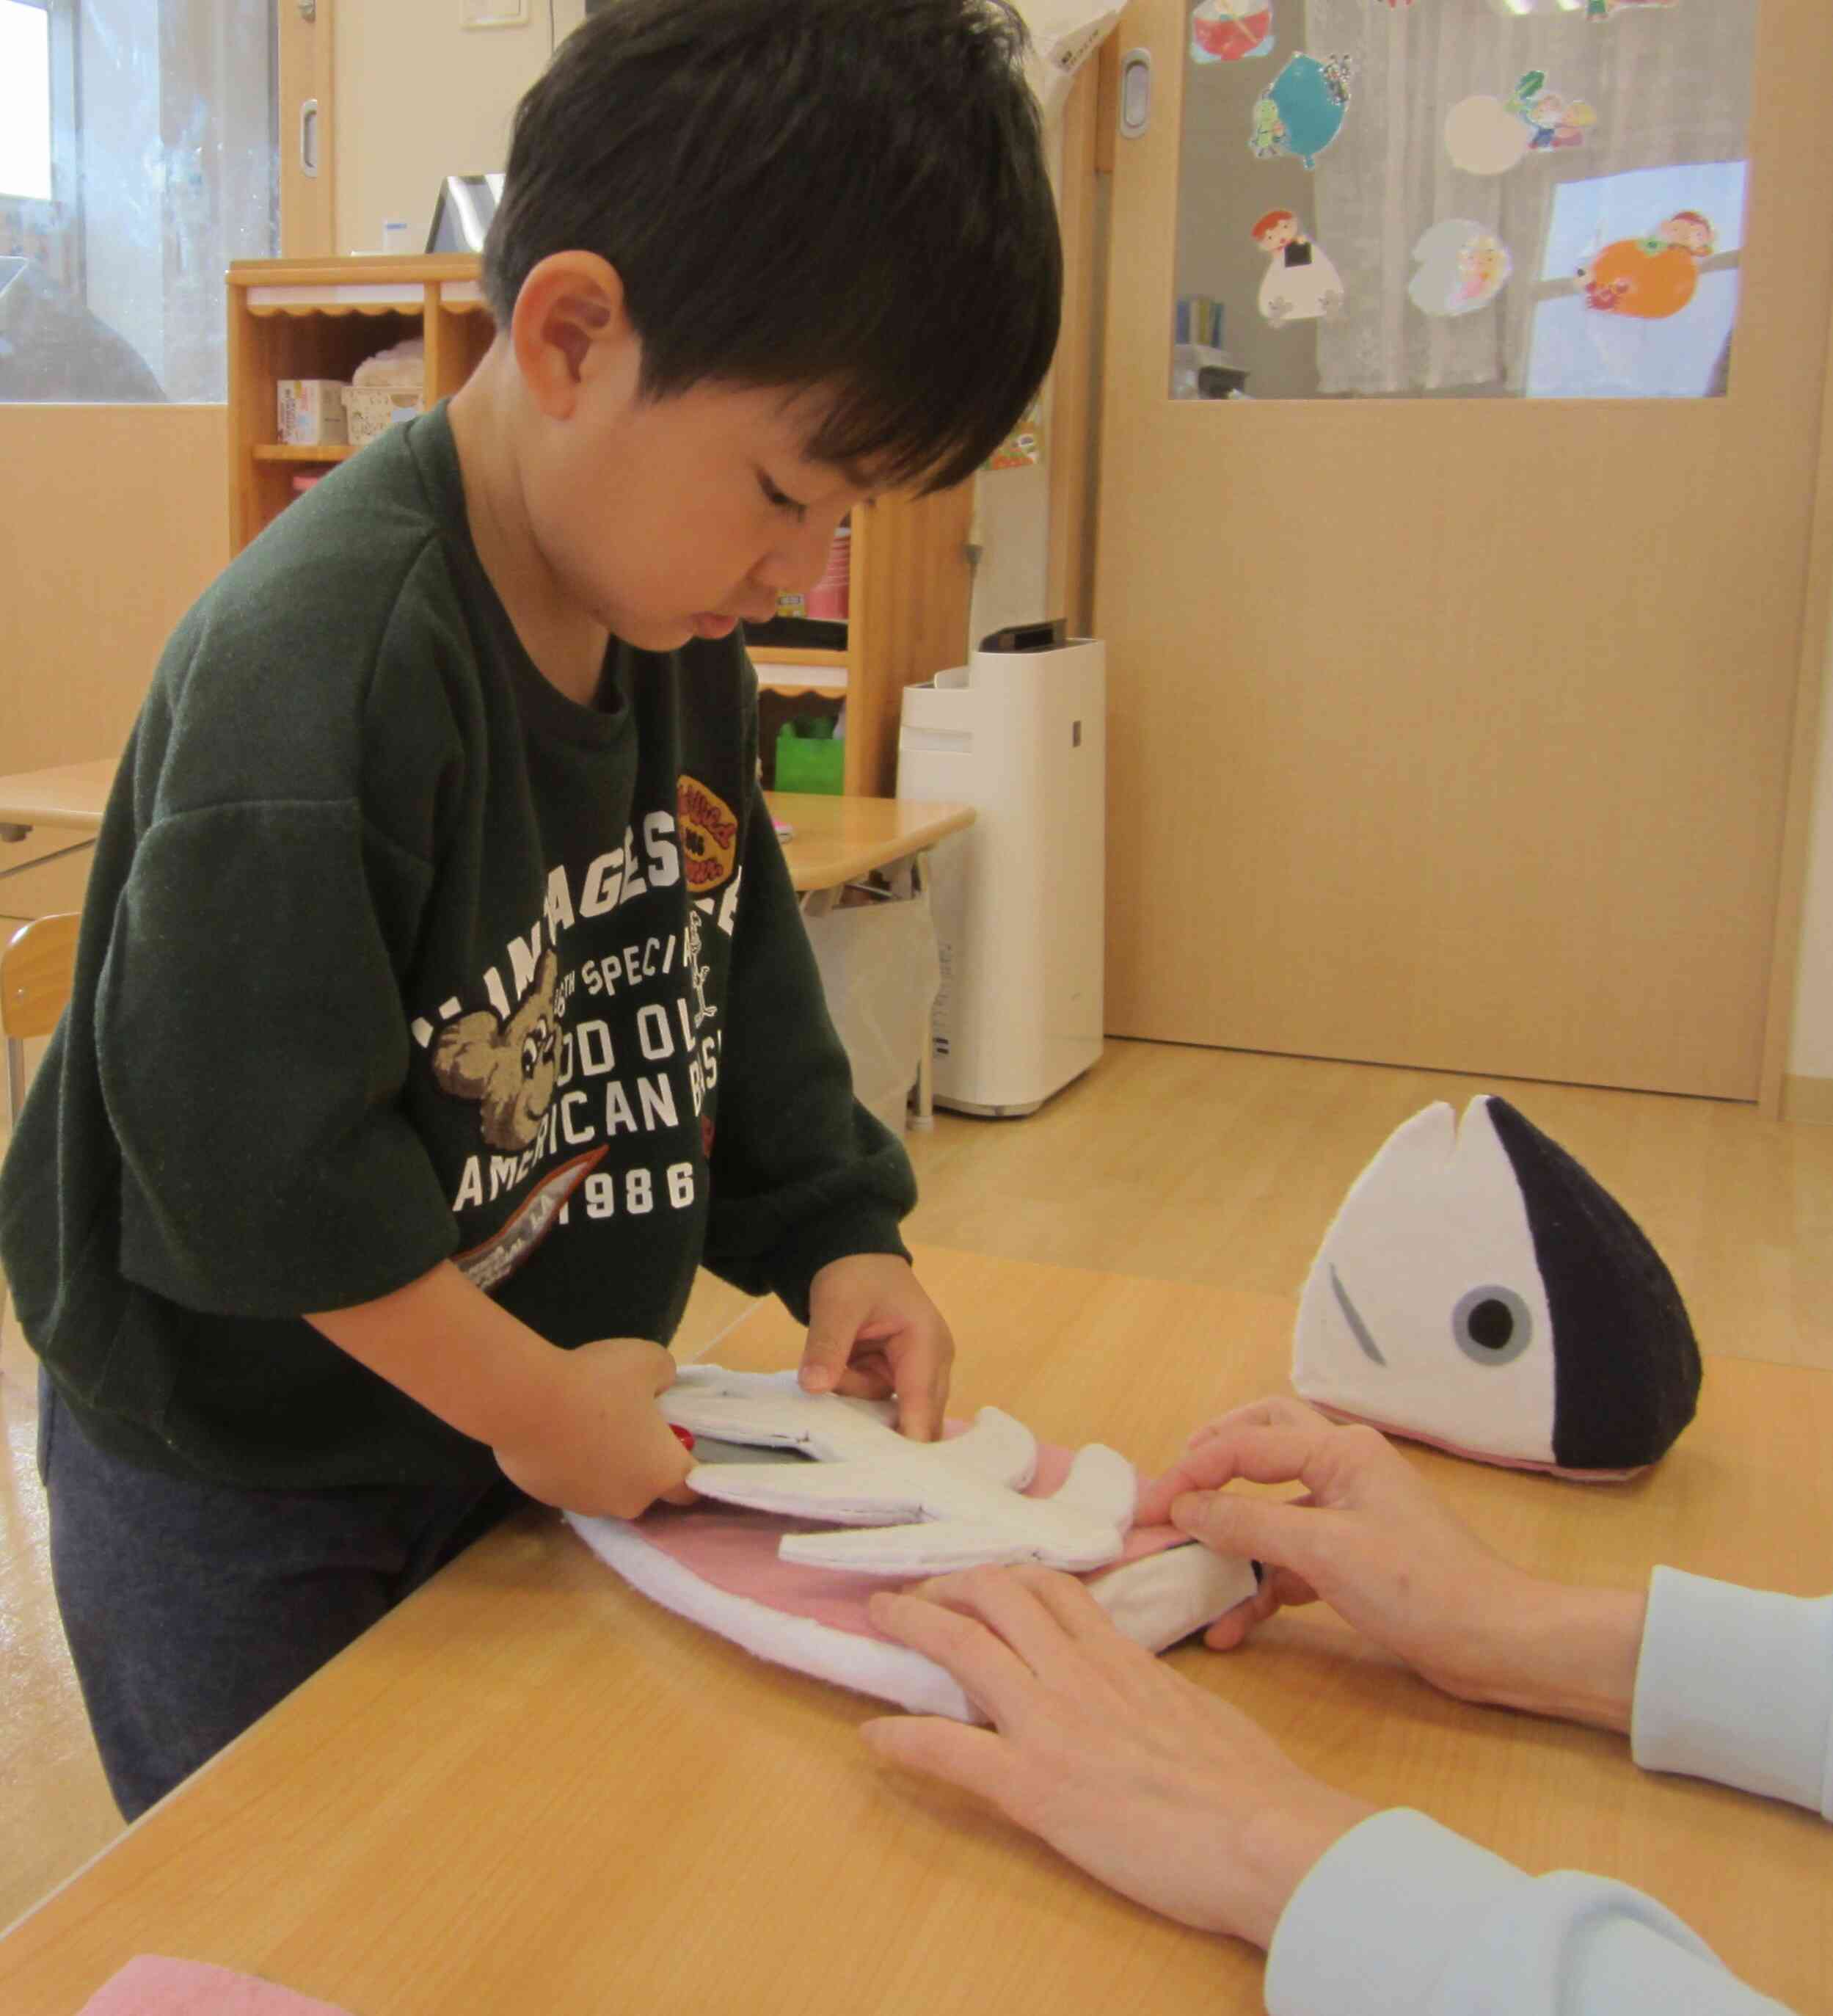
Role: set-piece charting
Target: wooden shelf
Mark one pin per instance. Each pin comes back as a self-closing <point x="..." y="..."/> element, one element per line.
<point x="292" y="452"/>
<point x="793" y="688"/>
<point x="792" y="654"/>
<point x="311" y="302"/>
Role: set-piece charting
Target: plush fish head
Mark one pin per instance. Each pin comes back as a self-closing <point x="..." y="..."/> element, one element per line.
<point x="1479" y="1289"/>
<point x="1424" y="1308"/>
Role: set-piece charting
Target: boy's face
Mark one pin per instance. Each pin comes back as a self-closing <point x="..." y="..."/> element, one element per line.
<point x="677" y="518"/>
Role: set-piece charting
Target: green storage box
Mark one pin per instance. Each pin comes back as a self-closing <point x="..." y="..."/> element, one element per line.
<point x="809" y="758"/>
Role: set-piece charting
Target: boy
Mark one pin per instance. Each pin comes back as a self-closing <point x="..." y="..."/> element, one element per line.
<point x="441" y="997"/>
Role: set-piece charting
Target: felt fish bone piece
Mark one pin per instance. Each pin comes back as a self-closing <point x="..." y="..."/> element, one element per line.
<point x="927" y="1507"/>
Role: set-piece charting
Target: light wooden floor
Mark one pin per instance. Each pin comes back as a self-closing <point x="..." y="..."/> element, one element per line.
<point x="1188" y="1164"/>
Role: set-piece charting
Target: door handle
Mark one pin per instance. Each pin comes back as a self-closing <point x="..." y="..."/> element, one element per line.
<point x="308" y="137"/>
<point x="1136" y="92"/>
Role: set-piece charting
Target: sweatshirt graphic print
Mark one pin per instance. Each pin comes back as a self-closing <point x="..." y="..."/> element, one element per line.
<point x="623" y="1043"/>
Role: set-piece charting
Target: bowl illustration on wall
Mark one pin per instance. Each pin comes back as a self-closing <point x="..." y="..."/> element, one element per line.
<point x="1230" y="30"/>
<point x="1463" y="267"/>
<point x="1489" y="136"/>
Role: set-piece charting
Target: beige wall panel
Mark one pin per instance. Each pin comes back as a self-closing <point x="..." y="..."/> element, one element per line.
<point x="1459" y="733"/>
<point x="112" y="520"/>
<point x="419" y="97"/>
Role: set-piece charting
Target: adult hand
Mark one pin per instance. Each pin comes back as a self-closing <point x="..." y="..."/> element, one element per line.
<point x="1370" y="1538"/>
<point x="600" y="1446"/>
<point x="1164" y="1793"/>
<point x="873" y="1332"/>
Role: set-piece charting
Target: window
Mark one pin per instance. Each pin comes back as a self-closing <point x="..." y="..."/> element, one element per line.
<point x="25" y="100"/>
<point x="138" y="157"/>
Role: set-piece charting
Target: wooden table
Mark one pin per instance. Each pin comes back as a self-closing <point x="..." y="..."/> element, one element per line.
<point x="70" y="797"/>
<point x="528" y="1789"/>
<point x="835" y="841"/>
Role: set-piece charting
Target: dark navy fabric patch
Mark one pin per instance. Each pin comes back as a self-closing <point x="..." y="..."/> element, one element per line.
<point x="1625" y="1363"/>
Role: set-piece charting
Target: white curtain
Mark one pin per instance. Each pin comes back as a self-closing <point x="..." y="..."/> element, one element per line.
<point x="1670" y="86"/>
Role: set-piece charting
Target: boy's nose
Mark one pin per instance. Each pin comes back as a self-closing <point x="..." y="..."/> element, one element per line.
<point x="798" y="563"/>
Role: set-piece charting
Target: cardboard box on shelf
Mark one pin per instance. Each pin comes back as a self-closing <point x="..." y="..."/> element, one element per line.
<point x="311" y="412"/>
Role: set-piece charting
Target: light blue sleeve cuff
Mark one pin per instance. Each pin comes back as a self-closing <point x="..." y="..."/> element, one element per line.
<point x="1403" y="1917"/>
<point x="1737" y="1685"/>
<point x="1372" y="1928"/>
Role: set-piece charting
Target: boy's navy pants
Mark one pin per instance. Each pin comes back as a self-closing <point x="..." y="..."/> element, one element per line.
<point x="192" y="1608"/>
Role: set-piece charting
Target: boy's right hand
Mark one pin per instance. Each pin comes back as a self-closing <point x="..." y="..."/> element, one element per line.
<point x="602" y="1446"/>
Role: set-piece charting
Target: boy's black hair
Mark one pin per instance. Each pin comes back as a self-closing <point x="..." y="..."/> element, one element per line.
<point x="843" y="194"/>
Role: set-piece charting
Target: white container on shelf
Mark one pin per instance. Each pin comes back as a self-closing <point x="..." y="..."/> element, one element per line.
<point x="1019" y="897"/>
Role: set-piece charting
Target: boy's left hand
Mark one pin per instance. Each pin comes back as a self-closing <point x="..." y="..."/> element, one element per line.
<point x="872" y="1332"/>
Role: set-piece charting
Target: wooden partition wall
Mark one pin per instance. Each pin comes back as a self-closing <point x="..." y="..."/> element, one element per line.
<point x="112" y="521"/>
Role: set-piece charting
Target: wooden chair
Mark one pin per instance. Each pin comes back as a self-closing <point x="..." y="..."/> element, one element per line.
<point x="35" y="974"/>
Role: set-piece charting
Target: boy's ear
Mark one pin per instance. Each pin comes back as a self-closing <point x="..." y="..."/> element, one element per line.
<point x="569" y="322"/>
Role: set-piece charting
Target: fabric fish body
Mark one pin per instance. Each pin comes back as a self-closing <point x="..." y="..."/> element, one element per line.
<point x="756" y="1560"/>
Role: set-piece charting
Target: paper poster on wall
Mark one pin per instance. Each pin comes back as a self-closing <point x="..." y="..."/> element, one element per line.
<point x="1065" y="33"/>
<point x="1583" y="350"/>
<point x="1489" y="136"/>
<point x="1023" y="448"/>
<point x="1653" y="277"/>
<point x="1462" y="267"/>
<point x="1231" y="30"/>
<point x="1301" y="282"/>
<point x="1302" y="110"/>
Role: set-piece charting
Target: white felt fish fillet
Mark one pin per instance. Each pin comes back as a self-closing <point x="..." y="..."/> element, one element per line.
<point x="926" y="1507"/>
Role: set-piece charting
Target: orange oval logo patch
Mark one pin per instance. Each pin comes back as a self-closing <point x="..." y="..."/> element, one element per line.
<point x="708" y="832"/>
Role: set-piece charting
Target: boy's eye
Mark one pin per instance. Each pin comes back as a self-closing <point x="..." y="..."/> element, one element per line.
<point x="776" y="499"/>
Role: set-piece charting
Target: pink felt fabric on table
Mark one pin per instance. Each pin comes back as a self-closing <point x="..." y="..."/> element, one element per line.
<point x="152" y="1986"/>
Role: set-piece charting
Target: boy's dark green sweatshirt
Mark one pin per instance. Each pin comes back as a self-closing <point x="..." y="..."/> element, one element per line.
<point x="392" y="953"/>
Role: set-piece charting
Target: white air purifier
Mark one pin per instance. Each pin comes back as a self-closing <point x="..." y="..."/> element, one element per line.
<point x="1019" y="733"/>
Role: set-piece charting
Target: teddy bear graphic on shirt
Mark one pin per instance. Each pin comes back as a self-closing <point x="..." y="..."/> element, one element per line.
<point x="510" y="1067"/>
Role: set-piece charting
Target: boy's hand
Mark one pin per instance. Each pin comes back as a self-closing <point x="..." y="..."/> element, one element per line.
<point x="872" y="1332"/>
<point x="1173" y="1798"/>
<point x="602" y="1446"/>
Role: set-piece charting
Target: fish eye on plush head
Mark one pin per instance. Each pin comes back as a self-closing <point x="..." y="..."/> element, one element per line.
<point x="1491" y="1325"/>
